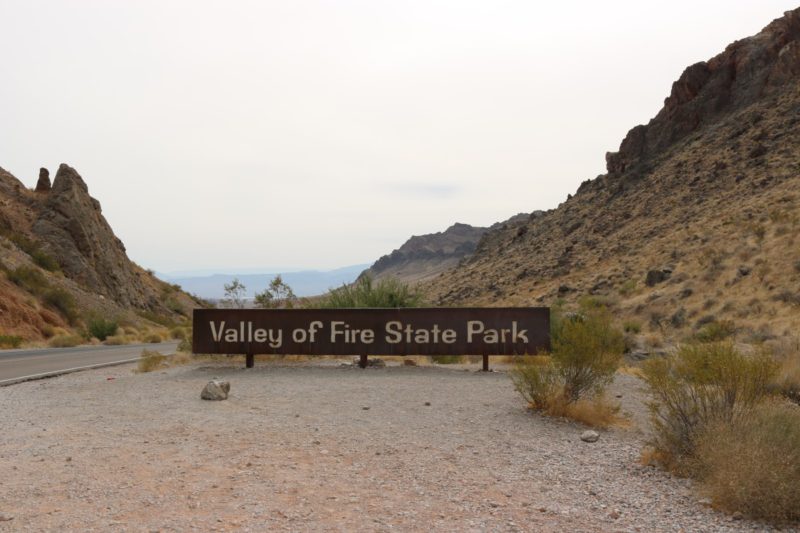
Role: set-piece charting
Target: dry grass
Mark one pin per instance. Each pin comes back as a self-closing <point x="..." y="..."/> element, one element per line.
<point x="153" y="338"/>
<point x="767" y="484"/>
<point x="116" y="340"/>
<point x="65" y="341"/>
<point x="151" y="360"/>
<point x="634" y="371"/>
<point x="596" y="411"/>
<point x="787" y="380"/>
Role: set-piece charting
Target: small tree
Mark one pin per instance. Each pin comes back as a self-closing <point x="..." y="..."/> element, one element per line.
<point x="235" y="292"/>
<point x="278" y="294"/>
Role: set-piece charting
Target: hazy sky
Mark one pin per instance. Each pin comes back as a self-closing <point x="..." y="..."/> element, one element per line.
<point x="235" y="135"/>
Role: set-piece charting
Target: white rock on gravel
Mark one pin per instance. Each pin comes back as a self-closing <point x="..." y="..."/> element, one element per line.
<point x="216" y="390"/>
<point x="590" y="436"/>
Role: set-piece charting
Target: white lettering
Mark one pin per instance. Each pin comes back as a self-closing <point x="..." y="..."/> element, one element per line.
<point x="216" y="334"/>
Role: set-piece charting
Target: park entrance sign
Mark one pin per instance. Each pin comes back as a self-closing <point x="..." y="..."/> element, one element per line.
<point x="404" y="331"/>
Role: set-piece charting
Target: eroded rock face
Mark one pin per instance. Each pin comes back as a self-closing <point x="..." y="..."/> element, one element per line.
<point x="747" y="71"/>
<point x="43" y="185"/>
<point x="72" y="228"/>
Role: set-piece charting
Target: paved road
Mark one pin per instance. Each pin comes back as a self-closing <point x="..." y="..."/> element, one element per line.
<point x="16" y="364"/>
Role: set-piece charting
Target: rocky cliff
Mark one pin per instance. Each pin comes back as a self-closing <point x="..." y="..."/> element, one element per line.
<point x="55" y="238"/>
<point x="696" y="220"/>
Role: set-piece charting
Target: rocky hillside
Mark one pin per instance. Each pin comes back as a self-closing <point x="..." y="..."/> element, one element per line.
<point x="61" y="262"/>
<point x="423" y="257"/>
<point x="696" y="222"/>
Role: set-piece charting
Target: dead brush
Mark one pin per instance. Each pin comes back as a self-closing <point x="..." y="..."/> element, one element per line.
<point x="151" y="360"/>
<point x="753" y="465"/>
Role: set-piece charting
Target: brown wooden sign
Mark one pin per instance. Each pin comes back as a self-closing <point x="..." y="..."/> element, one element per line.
<point x="415" y="331"/>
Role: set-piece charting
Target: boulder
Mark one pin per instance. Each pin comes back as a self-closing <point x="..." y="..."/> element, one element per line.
<point x="216" y="390"/>
<point x="590" y="436"/>
<point x="656" y="276"/>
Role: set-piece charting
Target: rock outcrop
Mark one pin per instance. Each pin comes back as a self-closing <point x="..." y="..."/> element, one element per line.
<point x="747" y="71"/>
<point x="60" y="262"/>
<point x="71" y="227"/>
<point x="43" y="185"/>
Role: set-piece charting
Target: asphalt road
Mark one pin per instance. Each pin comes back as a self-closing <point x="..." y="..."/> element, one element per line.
<point x="18" y="365"/>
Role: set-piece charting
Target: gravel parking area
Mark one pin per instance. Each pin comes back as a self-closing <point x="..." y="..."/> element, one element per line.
<point x="321" y="447"/>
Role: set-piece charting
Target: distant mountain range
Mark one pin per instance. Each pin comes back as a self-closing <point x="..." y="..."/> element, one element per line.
<point x="303" y="283"/>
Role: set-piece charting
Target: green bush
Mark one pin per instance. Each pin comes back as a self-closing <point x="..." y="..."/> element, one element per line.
<point x="365" y="292"/>
<point x="30" y="279"/>
<point x="47" y="262"/>
<point x="716" y="331"/>
<point x="538" y="381"/>
<point x="10" y="341"/>
<point x="753" y="464"/>
<point x="185" y="345"/>
<point x="63" y="301"/>
<point x="702" y="384"/>
<point x="587" y="350"/>
<point x="102" y="328"/>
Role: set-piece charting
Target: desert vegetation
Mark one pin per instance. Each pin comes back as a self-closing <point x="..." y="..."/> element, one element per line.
<point x="570" y="381"/>
<point x="365" y="292"/>
<point x="714" y="405"/>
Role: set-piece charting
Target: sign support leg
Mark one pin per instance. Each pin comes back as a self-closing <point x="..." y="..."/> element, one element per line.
<point x="250" y="361"/>
<point x="362" y="362"/>
<point x="485" y="363"/>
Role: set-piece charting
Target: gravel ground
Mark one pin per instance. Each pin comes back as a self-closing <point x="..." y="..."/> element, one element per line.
<point x="322" y="448"/>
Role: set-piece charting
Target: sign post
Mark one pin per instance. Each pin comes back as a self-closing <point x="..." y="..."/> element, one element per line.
<point x="403" y="331"/>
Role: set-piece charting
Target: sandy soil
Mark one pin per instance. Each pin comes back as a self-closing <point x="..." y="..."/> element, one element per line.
<point x="321" y="448"/>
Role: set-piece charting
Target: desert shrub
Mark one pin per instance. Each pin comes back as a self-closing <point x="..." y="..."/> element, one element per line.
<point x="65" y="341"/>
<point x="185" y="346"/>
<point x="157" y="318"/>
<point x="787" y="380"/>
<point x="46" y="261"/>
<point x="587" y="351"/>
<point x="715" y="331"/>
<point x="632" y="326"/>
<point x="153" y="338"/>
<point x="174" y="305"/>
<point x="102" y="328"/>
<point x="753" y="464"/>
<point x="702" y="384"/>
<point x="570" y="382"/>
<point x="365" y="292"/>
<point x="177" y="333"/>
<point x="151" y="360"/>
<point x="447" y="359"/>
<point x="115" y="340"/>
<point x="62" y="301"/>
<point x="47" y="330"/>
<point x="30" y="279"/>
<point x="537" y="380"/>
<point x="10" y="341"/>
<point x="628" y="288"/>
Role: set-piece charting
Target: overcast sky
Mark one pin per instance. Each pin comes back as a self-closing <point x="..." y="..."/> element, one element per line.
<point x="315" y="134"/>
